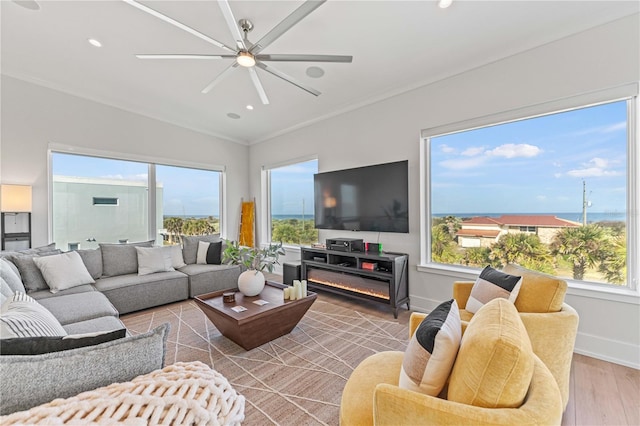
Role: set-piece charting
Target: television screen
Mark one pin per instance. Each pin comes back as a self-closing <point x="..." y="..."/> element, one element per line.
<point x="372" y="198"/>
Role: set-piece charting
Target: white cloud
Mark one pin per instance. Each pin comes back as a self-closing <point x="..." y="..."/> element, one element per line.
<point x="463" y="164"/>
<point x="541" y="197"/>
<point x="447" y="149"/>
<point x="596" y="167"/>
<point x="473" y="151"/>
<point x="511" y="150"/>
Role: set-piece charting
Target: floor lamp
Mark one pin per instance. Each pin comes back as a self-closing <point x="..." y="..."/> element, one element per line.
<point x="15" y="200"/>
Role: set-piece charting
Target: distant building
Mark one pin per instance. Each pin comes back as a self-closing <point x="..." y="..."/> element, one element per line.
<point x="482" y="231"/>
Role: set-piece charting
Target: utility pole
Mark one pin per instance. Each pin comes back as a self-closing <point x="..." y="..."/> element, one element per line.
<point x="584" y="203"/>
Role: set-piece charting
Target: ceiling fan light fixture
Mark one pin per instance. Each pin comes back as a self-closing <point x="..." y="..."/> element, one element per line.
<point x="246" y="59"/>
<point x="443" y="4"/>
<point x="94" y="42"/>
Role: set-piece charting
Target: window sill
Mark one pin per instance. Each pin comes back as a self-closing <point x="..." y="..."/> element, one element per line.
<point x="595" y="291"/>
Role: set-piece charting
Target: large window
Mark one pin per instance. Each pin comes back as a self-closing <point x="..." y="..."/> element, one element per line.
<point x="98" y="200"/>
<point x="550" y="192"/>
<point x="290" y="204"/>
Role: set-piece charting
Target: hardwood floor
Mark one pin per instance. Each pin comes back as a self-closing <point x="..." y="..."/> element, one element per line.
<point x="602" y="393"/>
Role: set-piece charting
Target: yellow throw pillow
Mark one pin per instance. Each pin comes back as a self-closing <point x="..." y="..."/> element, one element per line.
<point x="495" y="361"/>
<point x="539" y="293"/>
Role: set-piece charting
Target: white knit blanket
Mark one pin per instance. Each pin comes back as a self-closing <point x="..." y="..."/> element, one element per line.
<point x="179" y="394"/>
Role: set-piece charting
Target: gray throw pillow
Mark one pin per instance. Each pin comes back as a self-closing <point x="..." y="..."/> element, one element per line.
<point x="190" y="246"/>
<point x="92" y="259"/>
<point x="121" y="259"/>
<point x="31" y="380"/>
<point x="32" y="278"/>
<point x="9" y="272"/>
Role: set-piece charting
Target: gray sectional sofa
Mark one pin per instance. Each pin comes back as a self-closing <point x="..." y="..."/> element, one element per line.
<point x="118" y="288"/>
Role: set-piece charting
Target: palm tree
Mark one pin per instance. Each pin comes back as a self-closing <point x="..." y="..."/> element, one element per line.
<point x="584" y="247"/>
<point x="477" y="256"/>
<point x="443" y="249"/>
<point x="614" y="263"/>
<point x="524" y="249"/>
<point x="173" y="225"/>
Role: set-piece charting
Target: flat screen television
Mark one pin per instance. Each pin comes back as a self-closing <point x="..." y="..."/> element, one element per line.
<point x="372" y="198"/>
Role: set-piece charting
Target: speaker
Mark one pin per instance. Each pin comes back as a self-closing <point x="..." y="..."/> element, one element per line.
<point x="290" y="272"/>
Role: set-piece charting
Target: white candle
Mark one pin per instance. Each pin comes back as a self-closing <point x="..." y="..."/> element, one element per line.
<point x="304" y="288"/>
<point x="296" y="289"/>
<point x="286" y="293"/>
<point x="292" y="292"/>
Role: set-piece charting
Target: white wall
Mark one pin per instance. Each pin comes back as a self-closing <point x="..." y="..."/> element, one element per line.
<point x="34" y="117"/>
<point x="389" y="130"/>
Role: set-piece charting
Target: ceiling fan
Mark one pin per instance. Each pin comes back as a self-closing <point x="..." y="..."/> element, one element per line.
<point x="245" y="53"/>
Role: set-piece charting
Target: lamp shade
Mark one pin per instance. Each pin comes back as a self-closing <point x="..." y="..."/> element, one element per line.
<point x="15" y="198"/>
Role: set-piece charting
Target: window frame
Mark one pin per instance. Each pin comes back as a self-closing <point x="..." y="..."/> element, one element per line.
<point x="628" y="93"/>
<point x="151" y="163"/>
<point x="266" y="208"/>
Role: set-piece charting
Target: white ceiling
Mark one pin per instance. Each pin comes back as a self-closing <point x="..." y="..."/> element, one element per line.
<point x="396" y="45"/>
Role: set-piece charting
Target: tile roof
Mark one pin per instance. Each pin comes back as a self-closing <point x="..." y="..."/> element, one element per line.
<point x="548" y="221"/>
<point x="486" y="233"/>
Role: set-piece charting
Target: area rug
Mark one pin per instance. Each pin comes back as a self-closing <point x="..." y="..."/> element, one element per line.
<point x="296" y="379"/>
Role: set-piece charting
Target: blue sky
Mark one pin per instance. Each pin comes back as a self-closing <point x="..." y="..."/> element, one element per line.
<point x="535" y="165"/>
<point x="291" y="186"/>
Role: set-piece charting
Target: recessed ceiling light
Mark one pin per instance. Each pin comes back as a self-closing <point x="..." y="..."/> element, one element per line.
<point x="443" y="4"/>
<point x="233" y="115"/>
<point x="250" y="107"/>
<point x="94" y="42"/>
<point x="28" y="4"/>
<point x="315" y="72"/>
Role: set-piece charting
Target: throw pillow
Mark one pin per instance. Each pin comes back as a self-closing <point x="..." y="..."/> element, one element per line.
<point x="153" y="259"/>
<point x="22" y="316"/>
<point x="539" y="292"/>
<point x="9" y="272"/>
<point x="32" y="278"/>
<point x="121" y="259"/>
<point x="496" y="361"/>
<point x="46" y="344"/>
<point x="177" y="261"/>
<point x="63" y="271"/>
<point x="6" y="292"/>
<point x="432" y="350"/>
<point x="78" y="370"/>
<point x="492" y="284"/>
<point x="209" y="253"/>
<point x="92" y="259"/>
<point x="190" y="246"/>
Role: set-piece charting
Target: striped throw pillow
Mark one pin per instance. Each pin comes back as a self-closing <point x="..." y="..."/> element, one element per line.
<point x="22" y="316"/>
<point x="493" y="284"/>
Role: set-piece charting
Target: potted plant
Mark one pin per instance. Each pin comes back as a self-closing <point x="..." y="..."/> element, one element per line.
<point x="255" y="260"/>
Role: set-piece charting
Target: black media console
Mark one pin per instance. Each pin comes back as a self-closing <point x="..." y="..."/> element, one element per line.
<point x="381" y="277"/>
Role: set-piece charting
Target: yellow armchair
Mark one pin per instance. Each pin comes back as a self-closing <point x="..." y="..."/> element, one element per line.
<point x="552" y="325"/>
<point x="372" y="397"/>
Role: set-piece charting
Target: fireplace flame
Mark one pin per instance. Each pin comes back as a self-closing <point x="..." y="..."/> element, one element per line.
<point x="367" y="291"/>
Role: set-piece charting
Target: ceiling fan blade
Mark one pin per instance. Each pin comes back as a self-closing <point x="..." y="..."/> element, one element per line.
<point x="220" y="77"/>
<point x="305" y="58"/>
<point x="180" y="25"/>
<point x="258" y="85"/>
<point x="182" y="56"/>
<point x="284" y="26"/>
<point x="287" y="78"/>
<point x="231" y="23"/>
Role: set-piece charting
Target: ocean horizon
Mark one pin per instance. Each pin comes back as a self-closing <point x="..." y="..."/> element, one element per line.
<point x="592" y="217"/>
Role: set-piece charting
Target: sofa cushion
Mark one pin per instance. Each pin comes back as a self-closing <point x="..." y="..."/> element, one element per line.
<point x="209" y="253"/>
<point x="9" y="272"/>
<point x="190" y="246"/>
<point x="539" y="292"/>
<point x="92" y="259"/>
<point x="153" y="259"/>
<point x="32" y="278"/>
<point x="45" y="344"/>
<point x="46" y="294"/>
<point x="432" y="350"/>
<point x="63" y="271"/>
<point x="77" y="370"/>
<point x="492" y="284"/>
<point x="108" y="323"/>
<point x="207" y="278"/>
<point x="121" y="259"/>
<point x="22" y="316"/>
<point x="70" y="308"/>
<point x="495" y="361"/>
<point x="34" y="250"/>
<point x="6" y="292"/>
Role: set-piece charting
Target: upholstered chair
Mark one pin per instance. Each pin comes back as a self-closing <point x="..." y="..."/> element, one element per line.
<point x="552" y="324"/>
<point x="482" y="388"/>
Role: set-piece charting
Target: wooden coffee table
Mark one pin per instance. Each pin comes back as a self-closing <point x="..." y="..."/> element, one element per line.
<point x="258" y="324"/>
